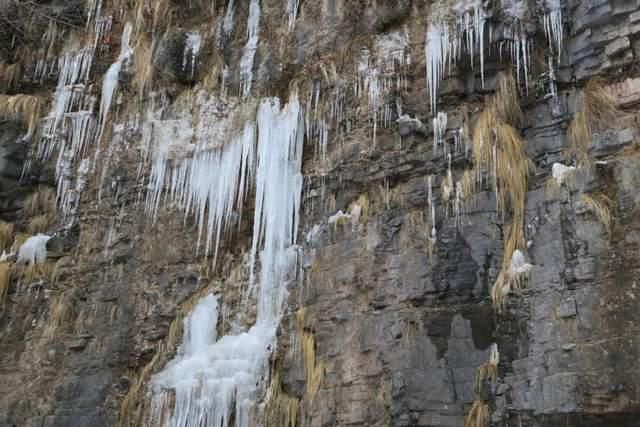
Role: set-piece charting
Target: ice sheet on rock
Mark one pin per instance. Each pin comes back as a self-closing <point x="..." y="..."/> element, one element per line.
<point x="227" y="23"/>
<point x="560" y="172"/>
<point x="217" y="380"/>
<point x="110" y="79"/>
<point x="518" y="263"/>
<point x="191" y="51"/>
<point x="212" y="380"/>
<point x="249" y="51"/>
<point x="34" y="249"/>
<point x="292" y="12"/>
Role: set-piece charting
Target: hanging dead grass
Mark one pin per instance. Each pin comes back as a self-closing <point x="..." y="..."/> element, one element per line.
<point x="488" y="371"/>
<point x="505" y="103"/>
<point x="479" y="415"/>
<point x="33" y="272"/>
<point x="41" y="201"/>
<point x="282" y="410"/>
<point x="360" y="208"/>
<point x="468" y="184"/>
<point x="25" y="108"/>
<point x="61" y="314"/>
<point x="10" y="75"/>
<point x="19" y="239"/>
<point x="600" y="206"/>
<point x="143" y="65"/>
<point x="313" y="368"/>
<point x="499" y="152"/>
<point x="213" y="79"/>
<point x="6" y="235"/>
<point x="5" y="282"/>
<point x="39" y="223"/>
<point x="598" y="111"/>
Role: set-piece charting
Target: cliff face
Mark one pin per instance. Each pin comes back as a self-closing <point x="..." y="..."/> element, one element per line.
<point x="407" y="302"/>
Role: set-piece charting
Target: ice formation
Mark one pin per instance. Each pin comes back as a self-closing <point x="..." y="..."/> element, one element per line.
<point x="110" y="79"/>
<point x="445" y="40"/>
<point x="552" y="21"/>
<point x="437" y="51"/>
<point x="439" y="129"/>
<point x="191" y="49"/>
<point x="249" y="51"/>
<point x="34" y="250"/>
<point x="518" y="264"/>
<point x="227" y="23"/>
<point x="215" y="380"/>
<point x="292" y="12"/>
<point x="560" y="172"/>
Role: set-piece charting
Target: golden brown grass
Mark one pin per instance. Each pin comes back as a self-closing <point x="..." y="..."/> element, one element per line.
<point x="5" y="281"/>
<point x="281" y="409"/>
<point x="26" y="108"/>
<point x="19" y="239"/>
<point x="505" y="103"/>
<point x="143" y="65"/>
<point x="598" y="111"/>
<point x="41" y="201"/>
<point x="468" y="184"/>
<point x="60" y="315"/>
<point x="499" y="150"/>
<point x="600" y="206"/>
<point x="6" y="235"/>
<point x="479" y="415"/>
<point x="39" y="223"/>
<point x="10" y="75"/>
<point x="314" y="368"/>
<point x="488" y="371"/>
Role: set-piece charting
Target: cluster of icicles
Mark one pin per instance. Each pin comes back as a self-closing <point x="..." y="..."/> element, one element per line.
<point x="445" y="41"/>
<point x="70" y="125"/>
<point x="212" y="379"/>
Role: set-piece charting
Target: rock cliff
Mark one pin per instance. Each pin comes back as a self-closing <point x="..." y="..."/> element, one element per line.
<point x="401" y="212"/>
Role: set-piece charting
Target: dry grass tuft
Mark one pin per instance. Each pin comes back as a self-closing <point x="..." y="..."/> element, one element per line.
<point x="505" y="103"/>
<point x="468" y="184"/>
<point x="39" y="224"/>
<point x="5" y="281"/>
<point x="600" y="206"/>
<point x="19" y="239"/>
<point x="61" y="314"/>
<point x="598" y="111"/>
<point x="488" y="371"/>
<point x="479" y="415"/>
<point x="499" y="152"/>
<point x="281" y="409"/>
<point x="26" y="108"/>
<point x="10" y="75"/>
<point x="41" y="201"/>
<point x="143" y="65"/>
<point x="6" y="235"/>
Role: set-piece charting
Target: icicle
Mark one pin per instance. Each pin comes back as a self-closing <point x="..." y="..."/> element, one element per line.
<point x="191" y="50"/>
<point x="553" y="30"/>
<point x="439" y="128"/>
<point x="246" y="62"/>
<point x="217" y="379"/>
<point x="437" y="51"/>
<point x="292" y="12"/>
<point x="227" y="23"/>
<point x="110" y="79"/>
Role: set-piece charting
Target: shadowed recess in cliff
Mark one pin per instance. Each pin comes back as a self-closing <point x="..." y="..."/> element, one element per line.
<point x="216" y="382"/>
